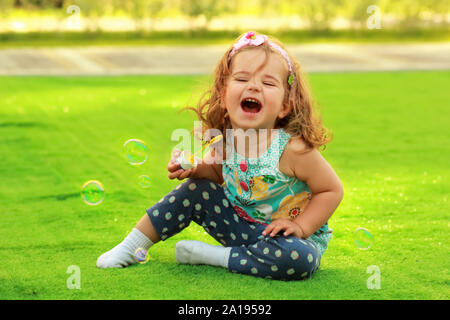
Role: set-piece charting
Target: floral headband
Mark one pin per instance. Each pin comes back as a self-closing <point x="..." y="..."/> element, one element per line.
<point x="250" y="39"/>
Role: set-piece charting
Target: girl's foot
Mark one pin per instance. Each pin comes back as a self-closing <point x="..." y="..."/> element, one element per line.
<point x="197" y="252"/>
<point x="123" y="254"/>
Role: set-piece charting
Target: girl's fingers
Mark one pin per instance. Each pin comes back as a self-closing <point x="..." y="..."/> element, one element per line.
<point x="184" y="174"/>
<point x="276" y="227"/>
<point x="268" y="229"/>
<point x="172" y="167"/>
<point x="272" y="229"/>
<point x="275" y="231"/>
<point x="175" y="174"/>
<point x="288" y="231"/>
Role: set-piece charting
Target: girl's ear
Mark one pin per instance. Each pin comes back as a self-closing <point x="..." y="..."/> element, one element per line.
<point x="287" y="108"/>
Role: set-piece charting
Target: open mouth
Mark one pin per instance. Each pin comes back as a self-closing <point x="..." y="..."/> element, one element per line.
<point x="251" y="105"/>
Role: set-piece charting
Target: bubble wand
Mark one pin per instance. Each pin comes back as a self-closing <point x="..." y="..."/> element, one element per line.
<point x="187" y="160"/>
<point x="213" y="140"/>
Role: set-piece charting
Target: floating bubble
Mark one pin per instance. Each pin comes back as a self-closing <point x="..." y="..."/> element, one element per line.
<point x="144" y="181"/>
<point x="136" y="151"/>
<point x="363" y="238"/>
<point x="92" y="192"/>
<point x="141" y="255"/>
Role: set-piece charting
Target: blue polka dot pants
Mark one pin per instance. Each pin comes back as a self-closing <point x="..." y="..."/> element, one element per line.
<point x="205" y="203"/>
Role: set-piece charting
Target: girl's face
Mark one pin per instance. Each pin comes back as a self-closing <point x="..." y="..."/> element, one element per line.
<point x="255" y="92"/>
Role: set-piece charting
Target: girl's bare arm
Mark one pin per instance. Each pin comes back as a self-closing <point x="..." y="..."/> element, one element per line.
<point x="326" y="188"/>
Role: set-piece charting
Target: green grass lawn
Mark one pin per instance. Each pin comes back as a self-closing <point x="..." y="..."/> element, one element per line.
<point x="206" y="37"/>
<point x="390" y="150"/>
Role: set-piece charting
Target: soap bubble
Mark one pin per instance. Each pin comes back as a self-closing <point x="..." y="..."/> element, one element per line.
<point x="363" y="238"/>
<point x="92" y="192"/>
<point x="144" y="181"/>
<point x="136" y="151"/>
<point x="141" y="255"/>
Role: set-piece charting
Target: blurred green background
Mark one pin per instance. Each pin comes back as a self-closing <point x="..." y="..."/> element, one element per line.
<point x="160" y="21"/>
<point x="60" y="126"/>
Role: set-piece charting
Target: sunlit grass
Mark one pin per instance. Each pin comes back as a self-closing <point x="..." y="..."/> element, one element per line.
<point x="390" y="150"/>
<point x="202" y="37"/>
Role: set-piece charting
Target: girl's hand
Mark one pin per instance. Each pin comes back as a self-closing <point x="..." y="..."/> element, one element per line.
<point x="175" y="171"/>
<point x="287" y="225"/>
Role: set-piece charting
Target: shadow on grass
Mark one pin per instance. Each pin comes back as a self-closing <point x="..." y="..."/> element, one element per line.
<point x="22" y="124"/>
<point x="117" y="196"/>
<point x="58" y="197"/>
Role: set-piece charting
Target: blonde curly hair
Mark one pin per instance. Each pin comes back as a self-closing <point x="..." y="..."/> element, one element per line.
<point x="303" y="120"/>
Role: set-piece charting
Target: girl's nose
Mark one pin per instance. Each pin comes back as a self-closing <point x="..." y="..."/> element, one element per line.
<point x="254" y="85"/>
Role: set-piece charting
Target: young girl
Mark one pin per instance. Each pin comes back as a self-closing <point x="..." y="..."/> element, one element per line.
<point x="268" y="202"/>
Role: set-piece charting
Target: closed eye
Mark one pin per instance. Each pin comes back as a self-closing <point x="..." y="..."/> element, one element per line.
<point x="269" y="84"/>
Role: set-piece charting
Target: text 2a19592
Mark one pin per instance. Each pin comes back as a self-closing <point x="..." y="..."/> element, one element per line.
<point x="246" y="309"/>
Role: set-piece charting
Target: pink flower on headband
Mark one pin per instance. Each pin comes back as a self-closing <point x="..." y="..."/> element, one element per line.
<point x="250" y="35"/>
<point x="248" y="39"/>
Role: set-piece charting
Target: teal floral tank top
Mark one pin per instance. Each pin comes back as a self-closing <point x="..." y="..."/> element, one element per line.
<point x="260" y="192"/>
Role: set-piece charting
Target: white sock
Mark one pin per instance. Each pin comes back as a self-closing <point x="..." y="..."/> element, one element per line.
<point x="123" y="254"/>
<point x="197" y="252"/>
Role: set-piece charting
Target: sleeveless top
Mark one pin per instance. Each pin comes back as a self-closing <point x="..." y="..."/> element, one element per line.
<point x="259" y="192"/>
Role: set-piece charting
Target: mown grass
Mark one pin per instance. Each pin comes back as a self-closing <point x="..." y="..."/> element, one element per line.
<point x="390" y="150"/>
<point x="206" y="37"/>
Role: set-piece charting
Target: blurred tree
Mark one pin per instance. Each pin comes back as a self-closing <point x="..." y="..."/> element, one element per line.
<point x="410" y="13"/>
<point x="206" y="8"/>
<point x="91" y="12"/>
<point x="5" y="7"/>
<point x="140" y="11"/>
<point x="38" y="4"/>
<point x="59" y="4"/>
<point x="356" y="12"/>
<point x="318" y="13"/>
<point x="441" y="8"/>
<point x="145" y="9"/>
<point x="268" y="8"/>
<point x="154" y="8"/>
